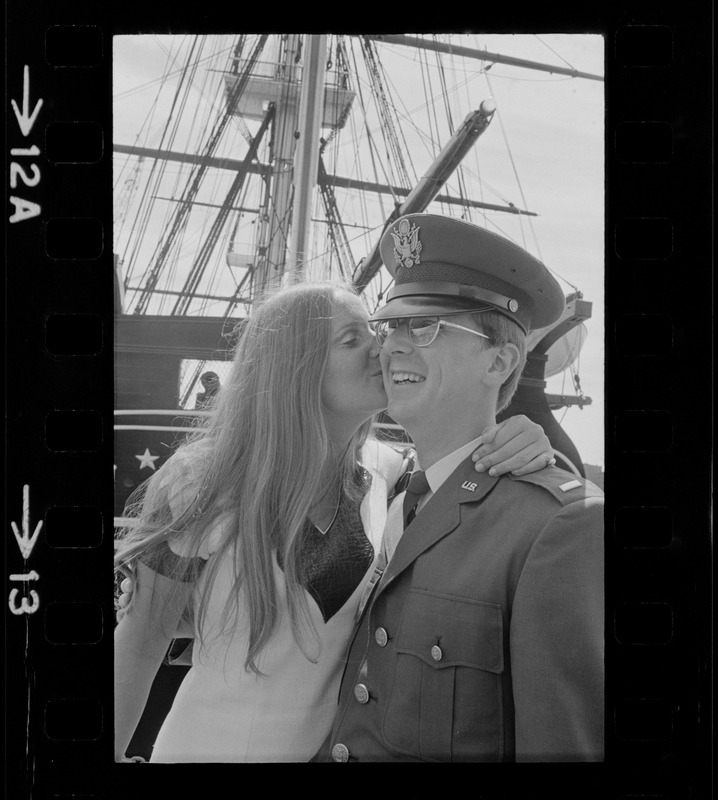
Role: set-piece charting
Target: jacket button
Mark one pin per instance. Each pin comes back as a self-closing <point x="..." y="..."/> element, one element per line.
<point x="361" y="693"/>
<point x="436" y="653"/>
<point x="340" y="753"/>
<point x="381" y="637"/>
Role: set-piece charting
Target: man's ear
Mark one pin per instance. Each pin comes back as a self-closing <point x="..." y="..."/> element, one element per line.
<point x="504" y="361"/>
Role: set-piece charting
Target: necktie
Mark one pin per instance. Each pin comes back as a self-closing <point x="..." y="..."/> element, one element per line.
<point x="418" y="486"/>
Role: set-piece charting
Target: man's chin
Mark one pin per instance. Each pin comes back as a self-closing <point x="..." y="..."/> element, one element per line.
<point x="403" y="409"/>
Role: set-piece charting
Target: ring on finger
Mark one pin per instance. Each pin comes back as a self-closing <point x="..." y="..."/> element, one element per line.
<point x="550" y="460"/>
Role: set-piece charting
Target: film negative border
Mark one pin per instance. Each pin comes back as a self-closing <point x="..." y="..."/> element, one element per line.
<point x="659" y="585"/>
<point x="59" y="433"/>
<point x="59" y="376"/>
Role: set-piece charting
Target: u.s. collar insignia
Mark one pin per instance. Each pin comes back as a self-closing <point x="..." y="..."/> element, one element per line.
<point x="407" y="246"/>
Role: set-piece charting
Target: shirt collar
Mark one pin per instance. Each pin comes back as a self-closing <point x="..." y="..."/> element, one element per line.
<point x="437" y="473"/>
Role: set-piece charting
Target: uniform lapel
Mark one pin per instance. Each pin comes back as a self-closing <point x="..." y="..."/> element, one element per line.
<point x="438" y="517"/>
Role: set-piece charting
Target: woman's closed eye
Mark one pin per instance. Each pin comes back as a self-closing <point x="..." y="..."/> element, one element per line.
<point x="356" y="337"/>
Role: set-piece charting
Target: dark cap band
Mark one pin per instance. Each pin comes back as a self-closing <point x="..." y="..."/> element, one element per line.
<point x="460" y="290"/>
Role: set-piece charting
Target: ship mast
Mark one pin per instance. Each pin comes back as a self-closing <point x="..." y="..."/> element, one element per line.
<point x="293" y="81"/>
<point x="291" y="92"/>
<point x="306" y="161"/>
<point x="303" y="105"/>
<point x="277" y="215"/>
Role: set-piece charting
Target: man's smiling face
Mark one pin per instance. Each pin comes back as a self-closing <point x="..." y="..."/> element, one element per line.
<point x="435" y="385"/>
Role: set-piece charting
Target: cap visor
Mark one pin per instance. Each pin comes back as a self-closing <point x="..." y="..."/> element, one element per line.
<point x="426" y="306"/>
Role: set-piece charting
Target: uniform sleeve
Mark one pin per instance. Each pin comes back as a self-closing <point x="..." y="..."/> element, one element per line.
<point x="557" y="640"/>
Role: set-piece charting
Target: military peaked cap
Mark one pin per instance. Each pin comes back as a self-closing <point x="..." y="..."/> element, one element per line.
<point x="443" y="266"/>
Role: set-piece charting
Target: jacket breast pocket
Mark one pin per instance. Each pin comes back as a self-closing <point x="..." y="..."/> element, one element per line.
<point x="446" y="700"/>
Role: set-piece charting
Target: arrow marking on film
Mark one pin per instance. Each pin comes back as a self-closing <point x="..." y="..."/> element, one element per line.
<point x="24" y="540"/>
<point x="25" y="119"/>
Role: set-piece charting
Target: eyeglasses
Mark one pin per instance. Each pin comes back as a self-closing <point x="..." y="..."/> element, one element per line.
<point x="422" y="330"/>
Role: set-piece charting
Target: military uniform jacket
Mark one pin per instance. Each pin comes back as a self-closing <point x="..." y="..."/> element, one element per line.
<point x="483" y="641"/>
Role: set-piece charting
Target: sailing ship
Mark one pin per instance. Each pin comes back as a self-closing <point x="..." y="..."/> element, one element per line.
<point x="263" y="158"/>
<point x="277" y="156"/>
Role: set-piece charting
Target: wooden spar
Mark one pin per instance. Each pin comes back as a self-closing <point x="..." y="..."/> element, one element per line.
<point x="232" y="164"/>
<point x="440" y="198"/>
<point x="483" y="55"/>
<point x="428" y="187"/>
<point x="449" y="158"/>
<point x="337" y="181"/>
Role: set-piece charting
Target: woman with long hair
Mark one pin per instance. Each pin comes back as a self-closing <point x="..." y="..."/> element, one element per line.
<point x="261" y="531"/>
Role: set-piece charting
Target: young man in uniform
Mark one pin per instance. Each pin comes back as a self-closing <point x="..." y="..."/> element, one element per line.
<point x="483" y="638"/>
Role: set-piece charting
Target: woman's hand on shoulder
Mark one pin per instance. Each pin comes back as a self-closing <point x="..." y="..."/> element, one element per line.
<point x="516" y="445"/>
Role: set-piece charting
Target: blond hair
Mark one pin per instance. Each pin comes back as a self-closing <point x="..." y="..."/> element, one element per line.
<point x="501" y="330"/>
<point x="261" y="460"/>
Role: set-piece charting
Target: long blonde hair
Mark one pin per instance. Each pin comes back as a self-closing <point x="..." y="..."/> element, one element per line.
<point x="262" y="459"/>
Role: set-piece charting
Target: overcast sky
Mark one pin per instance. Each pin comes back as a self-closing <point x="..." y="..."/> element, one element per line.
<point x="543" y="151"/>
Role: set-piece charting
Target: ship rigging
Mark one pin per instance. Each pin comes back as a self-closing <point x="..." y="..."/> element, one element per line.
<point x="287" y="155"/>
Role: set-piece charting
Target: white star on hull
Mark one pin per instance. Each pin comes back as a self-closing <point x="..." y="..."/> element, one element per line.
<point x="147" y="459"/>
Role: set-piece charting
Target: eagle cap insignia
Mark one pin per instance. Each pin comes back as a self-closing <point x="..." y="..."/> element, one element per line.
<point x="407" y="246"/>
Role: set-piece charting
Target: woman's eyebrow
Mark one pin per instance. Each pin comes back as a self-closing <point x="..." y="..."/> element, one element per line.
<point x="348" y="326"/>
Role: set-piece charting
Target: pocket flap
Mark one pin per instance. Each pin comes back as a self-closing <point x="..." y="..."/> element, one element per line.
<point x="447" y="631"/>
